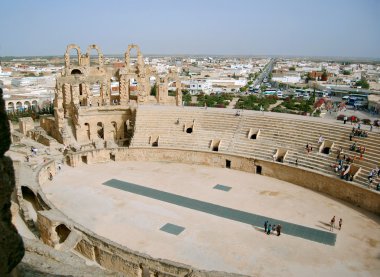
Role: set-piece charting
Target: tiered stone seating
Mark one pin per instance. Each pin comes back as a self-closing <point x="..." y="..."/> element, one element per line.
<point x="277" y="131"/>
<point x="169" y="123"/>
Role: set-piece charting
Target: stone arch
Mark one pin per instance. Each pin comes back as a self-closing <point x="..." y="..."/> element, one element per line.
<point x="100" y="54"/>
<point x="76" y="71"/>
<point x="27" y="105"/>
<point x="156" y="85"/>
<point x="178" y="93"/>
<point x="19" y="105"/>
<point x="100" y="130"/>
<point x="11" y="106"/>
<point x="62" y="232"/>
<point x="88" y="130"/>
<point x="34" y="105"/>
<point x="128" y="57"/>
<point x="114" y="129"/>
<point x="67" y="54"/>
<point x="31" y="202"/>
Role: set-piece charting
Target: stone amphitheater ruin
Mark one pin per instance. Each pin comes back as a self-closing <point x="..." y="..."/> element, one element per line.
<point x="74" y="194"/>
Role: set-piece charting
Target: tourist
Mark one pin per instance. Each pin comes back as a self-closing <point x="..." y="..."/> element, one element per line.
<point x="351" y="135"/>
<point x="340" y="223"/>
<point x="332" y="223"/>
<point x="278" y="229"/>
<point x="344" y="119"/>
<point x="274" y="227"/>
<point x="27" y="158"/>
<point x="370" y="127"/>
<point x="265" y="225"/>
<point x="50" y="176"/>
<point x="269" y="229"/>
<point x="321" y="139"/>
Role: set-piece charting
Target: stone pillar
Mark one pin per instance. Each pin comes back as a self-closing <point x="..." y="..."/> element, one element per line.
<point x="66" y="99"/>
<point x="105" y="92"/>
<point x="75" y="94"/>
<point x="178" y="97"/>
<point x="124" y="90"/>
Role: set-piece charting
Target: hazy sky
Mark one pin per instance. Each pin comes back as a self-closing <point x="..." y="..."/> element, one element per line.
<point x="273" y="27"/>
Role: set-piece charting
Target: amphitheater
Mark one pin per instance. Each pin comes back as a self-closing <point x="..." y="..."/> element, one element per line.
<point x="138" y="185"/>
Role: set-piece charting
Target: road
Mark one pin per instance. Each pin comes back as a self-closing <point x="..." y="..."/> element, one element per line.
<point x="265" y="73"/>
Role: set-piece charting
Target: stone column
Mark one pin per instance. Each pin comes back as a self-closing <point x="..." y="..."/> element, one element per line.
<point x="123" y="91"/>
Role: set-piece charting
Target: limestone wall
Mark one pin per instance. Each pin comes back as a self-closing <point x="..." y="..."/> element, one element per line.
<point x="347" y="191"/>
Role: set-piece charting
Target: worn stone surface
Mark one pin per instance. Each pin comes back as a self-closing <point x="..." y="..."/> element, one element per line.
<point x="11" y="244"/>
<point x="42" y="260"/>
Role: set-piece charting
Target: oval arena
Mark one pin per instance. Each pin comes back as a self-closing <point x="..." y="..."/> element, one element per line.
<point x="146" y="187"/>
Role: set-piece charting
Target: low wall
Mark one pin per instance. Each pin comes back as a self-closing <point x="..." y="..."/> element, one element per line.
<point x="330" y="185"/>
<point x="352" y="193"/>
<point x="119" y="258"/>
<point x="105" y="252"/>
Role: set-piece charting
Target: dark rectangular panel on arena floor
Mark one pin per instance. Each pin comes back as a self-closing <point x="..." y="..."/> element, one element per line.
<point x="222" y="187"/>
<point x="225" y="212"/>
<point x="172" y="229"/>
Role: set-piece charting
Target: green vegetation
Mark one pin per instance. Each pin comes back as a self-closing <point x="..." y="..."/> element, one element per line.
<point x="292" y="68"/>
<point x="295" y="106"/>
<point x="252" y="102"/>
<point x="186" y="97"/>
<point x="153" y="90"/>
<point x="362" y="83"/>
<point x="214" y="100"/>
<point x="346" y="72"/>
<point x="15" y="115"/>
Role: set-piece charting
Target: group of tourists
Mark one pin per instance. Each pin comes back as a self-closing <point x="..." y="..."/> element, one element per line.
<point x="358" y="133"/>
<point x="332" y="224"/>
<point x="269" y="228"/>
<point x="358" y="148"/>
<point x="343" y="165"/>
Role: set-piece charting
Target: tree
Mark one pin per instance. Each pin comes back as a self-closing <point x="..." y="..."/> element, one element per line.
<point x="346" y="72"/>
<point x="362" y="83"/>
<point x="292" y="68"/>
<point x="153" y="90"/>
<point x="242" y="89"/>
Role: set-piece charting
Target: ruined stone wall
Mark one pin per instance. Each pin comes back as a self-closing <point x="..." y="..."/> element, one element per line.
<point x="11" y="245"/>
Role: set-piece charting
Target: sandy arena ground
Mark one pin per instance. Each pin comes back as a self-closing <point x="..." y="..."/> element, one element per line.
<point x="213" y="243"/>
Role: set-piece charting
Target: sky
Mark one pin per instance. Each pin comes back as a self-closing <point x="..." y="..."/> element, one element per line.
<point x="334" y="28"/>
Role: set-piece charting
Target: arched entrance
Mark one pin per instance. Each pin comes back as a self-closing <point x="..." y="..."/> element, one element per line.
<point x="100" y="128"/>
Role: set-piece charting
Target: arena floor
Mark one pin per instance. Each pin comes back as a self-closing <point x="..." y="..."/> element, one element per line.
<point x="194" y="230"/>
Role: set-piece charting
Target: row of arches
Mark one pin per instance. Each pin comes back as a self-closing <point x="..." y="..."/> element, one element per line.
<point x="82" y="60"/>
<point x="74" y="57"/>
<point x="12" y="106"/>
<point x="108" y="131"/>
